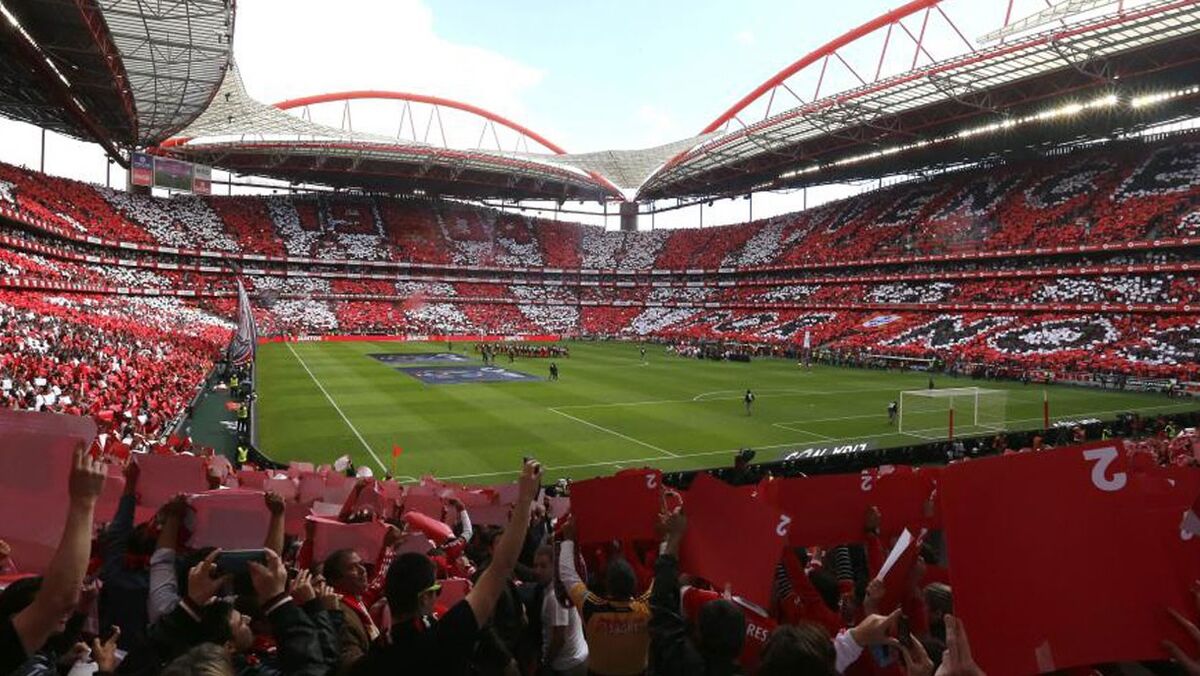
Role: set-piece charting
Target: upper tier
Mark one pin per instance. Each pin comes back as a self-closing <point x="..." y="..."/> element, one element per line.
<point x="1105" y="195"/>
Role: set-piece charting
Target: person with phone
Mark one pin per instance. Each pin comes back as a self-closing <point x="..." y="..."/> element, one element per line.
<point x="237" y="561"/>
<point x="203" y="617"/>
<point x="421" y="641"/>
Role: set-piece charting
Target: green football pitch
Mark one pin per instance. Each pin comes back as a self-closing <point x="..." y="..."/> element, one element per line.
<point x="608" y="410"/>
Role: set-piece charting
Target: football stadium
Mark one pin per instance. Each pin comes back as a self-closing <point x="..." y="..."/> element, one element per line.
<point x="853" y="342"/>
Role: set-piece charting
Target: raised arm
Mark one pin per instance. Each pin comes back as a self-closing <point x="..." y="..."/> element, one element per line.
<point x="274" y="541"/>
<point x="668" y="629"/>
<point x="871" y="541"/>
<point x="468" y="531"/>
<point x="351" y="500"/>
<point x="116" y="535"/>
<point x="566" y="561"/>
<point x="813" y="605"/>
<point x="298" y="638"/>
<point x="482" y="598"/>
<point x="164" y="587"/>
<point x="60" y="587"/>
<point x="387" y="553"/>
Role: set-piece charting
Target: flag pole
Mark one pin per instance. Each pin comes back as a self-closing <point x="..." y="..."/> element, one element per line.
<point x="1045" y="410"/>
<point x="396" y="451"/>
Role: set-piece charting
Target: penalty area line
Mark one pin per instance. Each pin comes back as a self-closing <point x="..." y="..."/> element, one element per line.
<point x="338" y="409"/>
<point x="616" y="433"/>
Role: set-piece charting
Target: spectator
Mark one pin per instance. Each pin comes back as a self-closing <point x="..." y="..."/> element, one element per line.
<point x="29" y="623"/>
<point x="345" y="572"/>
<point x="202" y="618"/>
<point x="617" y="623"/>
<point x="425" y="642"/>
<point x="721" y="625"/>
<point x="564" y="649"/>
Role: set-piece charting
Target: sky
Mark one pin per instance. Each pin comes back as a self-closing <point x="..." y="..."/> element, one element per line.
<point x="587" y="74"/>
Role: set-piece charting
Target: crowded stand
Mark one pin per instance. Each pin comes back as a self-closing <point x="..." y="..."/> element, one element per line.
<point x="975" y="448"/>
<point x="176" y="560"/>
<point x="184" y="563"/>
<point x="1118" y="193"/>
<point x="1126" y="301"/>
<point x="133" y="364"/>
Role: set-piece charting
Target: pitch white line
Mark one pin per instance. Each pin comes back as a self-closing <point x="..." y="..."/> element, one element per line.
<point x="788" y="427"/>
<point x="685" y="456"/>
<point x="616" y="433"/>
<point x="843" y="417"/>
<point x="766" y="394"/>
<point x="785" y="392"/>
<point x="338" y="409"/>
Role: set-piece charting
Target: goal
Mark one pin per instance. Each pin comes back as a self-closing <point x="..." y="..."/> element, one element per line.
<point x="950" y="412"/>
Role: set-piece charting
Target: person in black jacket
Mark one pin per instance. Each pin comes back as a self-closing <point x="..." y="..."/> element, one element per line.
<point x="201" y="618"/>
<point x="722" y="626"/>
<point x="424" y="643"/>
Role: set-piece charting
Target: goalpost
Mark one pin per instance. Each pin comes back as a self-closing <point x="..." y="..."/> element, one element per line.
<point x="950" y="412"/>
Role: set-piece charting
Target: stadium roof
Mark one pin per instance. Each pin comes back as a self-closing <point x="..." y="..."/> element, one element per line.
<point x="1105" y="56"/>
<point x="241" y="134"/>
<point x="135" y="73"/>
<point x="124" y="73"/>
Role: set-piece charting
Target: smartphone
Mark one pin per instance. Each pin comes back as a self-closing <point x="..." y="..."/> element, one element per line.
<point x="884" y="656"/>
<point x="903" y="631"/>
<point x="236" y="561"/>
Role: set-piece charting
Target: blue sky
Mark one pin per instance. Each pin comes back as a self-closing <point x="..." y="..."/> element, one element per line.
<point x="587" y="74"/>
<point x="625" y="73"/>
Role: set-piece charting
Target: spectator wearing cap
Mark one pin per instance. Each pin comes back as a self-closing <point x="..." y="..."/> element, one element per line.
<point x="421" y="641"/>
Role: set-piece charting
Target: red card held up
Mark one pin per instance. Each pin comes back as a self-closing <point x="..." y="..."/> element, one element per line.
<point x="732" y="539"/>
<point x="622" y="507"/>
<point x="1051" y="553"/>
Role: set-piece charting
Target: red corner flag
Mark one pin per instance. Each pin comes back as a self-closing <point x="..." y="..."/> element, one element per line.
<point x="396" y="451"/>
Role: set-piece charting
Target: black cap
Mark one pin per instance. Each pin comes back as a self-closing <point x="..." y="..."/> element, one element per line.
<point x="409" y="575"/>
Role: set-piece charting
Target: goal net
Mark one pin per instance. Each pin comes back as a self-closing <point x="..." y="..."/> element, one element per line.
<point x="952" y="412"/>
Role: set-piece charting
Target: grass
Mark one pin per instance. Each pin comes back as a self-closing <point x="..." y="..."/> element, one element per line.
<point x="318" y="401"/>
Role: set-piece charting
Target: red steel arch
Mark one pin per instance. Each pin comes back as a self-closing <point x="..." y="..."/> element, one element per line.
<point x="421" y="98"/>
<point x="828" y="49"/>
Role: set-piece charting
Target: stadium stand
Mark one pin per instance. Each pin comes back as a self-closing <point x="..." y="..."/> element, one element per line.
<point x="1096" y="241"/>
<point x="1069" y="255"/>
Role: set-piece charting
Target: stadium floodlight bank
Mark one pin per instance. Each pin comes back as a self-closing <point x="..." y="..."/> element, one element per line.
<point x="943" y="413"/>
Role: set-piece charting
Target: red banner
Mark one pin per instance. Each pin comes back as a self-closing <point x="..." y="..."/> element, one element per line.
<point x="621" y="507"/>
<point x="831" y="509"/>
<point x="1060" y="560"/>
<point x="732" y="539"/>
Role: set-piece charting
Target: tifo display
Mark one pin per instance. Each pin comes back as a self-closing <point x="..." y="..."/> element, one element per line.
<point x="892" y="368"/>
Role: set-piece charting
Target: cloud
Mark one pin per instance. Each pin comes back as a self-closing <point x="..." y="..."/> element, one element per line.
<point x="745" y="38"/>
<point x="655" y="126"/>
<point x="294" y="48"/>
